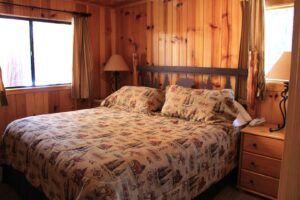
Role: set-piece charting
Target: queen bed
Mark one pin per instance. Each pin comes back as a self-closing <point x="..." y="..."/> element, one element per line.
<point x="114" y="153"/>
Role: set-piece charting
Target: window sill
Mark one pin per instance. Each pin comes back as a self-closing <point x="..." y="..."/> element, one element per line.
<point x="37" y="89"/>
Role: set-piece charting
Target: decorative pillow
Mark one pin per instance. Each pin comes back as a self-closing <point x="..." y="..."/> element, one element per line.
<point x="137" y="99"/>
<point x="199" y="104"/>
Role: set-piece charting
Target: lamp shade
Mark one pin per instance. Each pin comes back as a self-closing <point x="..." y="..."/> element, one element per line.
<point x="116" y="63"/>
<point x="281" y="70"/>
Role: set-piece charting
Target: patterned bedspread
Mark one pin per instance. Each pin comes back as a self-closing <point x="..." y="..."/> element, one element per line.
<point x="105" y="153"/>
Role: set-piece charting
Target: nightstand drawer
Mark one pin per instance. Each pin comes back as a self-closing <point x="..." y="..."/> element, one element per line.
<point x="263" y="145"/>
<point x="259" y="183"/>
<point x="262" y="165"/>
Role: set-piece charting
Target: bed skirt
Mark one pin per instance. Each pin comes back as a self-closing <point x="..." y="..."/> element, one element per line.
<point x="26" y="191"/>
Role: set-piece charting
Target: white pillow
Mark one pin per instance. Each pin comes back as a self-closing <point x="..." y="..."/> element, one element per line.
<point x="243" y="116"/>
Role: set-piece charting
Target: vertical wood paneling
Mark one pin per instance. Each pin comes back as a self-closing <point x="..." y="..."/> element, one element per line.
<point x="175" y="39"/>
<point x="190" y="40"/>
<point x="149" y="44"/>
<point x="204" y="33"/>
<point x="199" y="37"/>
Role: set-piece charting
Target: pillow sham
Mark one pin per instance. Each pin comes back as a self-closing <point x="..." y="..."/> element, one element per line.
<point x="136" y="99"/>
<point x="199" y="104"/>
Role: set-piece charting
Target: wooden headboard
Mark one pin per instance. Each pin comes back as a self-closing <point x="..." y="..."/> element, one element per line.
<point x="145" y="76"/>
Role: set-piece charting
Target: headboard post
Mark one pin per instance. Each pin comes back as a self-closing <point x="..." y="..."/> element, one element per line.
<point x="135" y="69"/>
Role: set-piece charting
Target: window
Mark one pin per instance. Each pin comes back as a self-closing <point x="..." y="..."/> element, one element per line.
<point x="35" y="53"/>
<point x="278" y="34"/>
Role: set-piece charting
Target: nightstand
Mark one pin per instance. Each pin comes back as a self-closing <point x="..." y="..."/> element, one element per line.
<point x="260" y="160"/>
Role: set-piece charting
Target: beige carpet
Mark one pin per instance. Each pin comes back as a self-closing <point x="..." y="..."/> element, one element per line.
<point x="228" y="193"/>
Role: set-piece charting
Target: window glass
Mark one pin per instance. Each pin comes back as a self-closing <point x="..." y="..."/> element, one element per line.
<point x="52" y="53"/>
<point x="15" y="52"/>
<point x="278" y="34"/>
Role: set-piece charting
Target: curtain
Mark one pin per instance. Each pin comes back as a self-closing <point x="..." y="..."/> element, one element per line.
<point x="3" y="99"/>
<point x="252" y="50"/>
<point x="82" y="60"/>
<point x="257" y="43"/>
<point x="244" y="48"/>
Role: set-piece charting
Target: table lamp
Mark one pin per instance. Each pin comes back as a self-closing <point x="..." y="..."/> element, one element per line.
<point x="280" y="72"/>
<point x="116" y="64"/>
<point x="3" y="99"/>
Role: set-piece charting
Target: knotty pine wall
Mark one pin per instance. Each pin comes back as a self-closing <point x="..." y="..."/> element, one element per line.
<point x="30" y="102"/>
<point x="204" y="33"/>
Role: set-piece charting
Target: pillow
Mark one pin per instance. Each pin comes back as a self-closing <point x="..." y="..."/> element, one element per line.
<point x="243" y="116"/>
<point x="199" y="104"/>
<point x="137" y="99"/>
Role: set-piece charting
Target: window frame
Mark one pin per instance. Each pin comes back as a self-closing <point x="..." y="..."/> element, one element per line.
<point x="31" y="39"/>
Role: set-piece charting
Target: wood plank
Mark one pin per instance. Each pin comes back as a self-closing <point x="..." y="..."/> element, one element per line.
<point x="199" y="38"/>
<point x="175" y="38"/>
<point x="183" y="24"/>
<point x="149" y="32"/>
<point x="216" y="39"/>
<point x="39" y="103"/>
<point x="21" y="106"/>
<point x="30" y="104"/>
<point x="191" y="23"/>
<point x="207" y="51"/>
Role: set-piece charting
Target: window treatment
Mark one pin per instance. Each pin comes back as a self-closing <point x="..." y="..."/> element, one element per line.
<point x="3" y="99"/>
<point x="82" y="60"/>
<point x="252" y="50"/>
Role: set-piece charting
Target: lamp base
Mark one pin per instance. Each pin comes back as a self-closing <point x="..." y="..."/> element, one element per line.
<point x="279" y="127"/>
<point x="115" y="81"/>
<point x="282" y="106"/>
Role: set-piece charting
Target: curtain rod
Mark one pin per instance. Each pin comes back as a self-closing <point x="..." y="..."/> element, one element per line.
<point x="48" y="9"/>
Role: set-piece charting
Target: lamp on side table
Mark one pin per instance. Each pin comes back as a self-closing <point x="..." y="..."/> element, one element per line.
<point x="280" y="72"/>
<point x="116" y="64"/>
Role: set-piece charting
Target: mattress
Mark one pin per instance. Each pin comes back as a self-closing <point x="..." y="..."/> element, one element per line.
<point x="106" y="153"/>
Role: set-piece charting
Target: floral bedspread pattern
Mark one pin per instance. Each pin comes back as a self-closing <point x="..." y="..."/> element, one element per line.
<point x="106" y="153"/>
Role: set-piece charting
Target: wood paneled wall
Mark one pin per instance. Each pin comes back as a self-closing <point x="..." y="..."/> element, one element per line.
<point x="204" y="33"/>
<point x="33" y="102"/>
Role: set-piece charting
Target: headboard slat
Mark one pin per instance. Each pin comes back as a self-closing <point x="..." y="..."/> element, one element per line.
<point x="228" y="83"/>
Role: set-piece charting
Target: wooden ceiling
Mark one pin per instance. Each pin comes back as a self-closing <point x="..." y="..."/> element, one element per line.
<point x="111" y="2"/>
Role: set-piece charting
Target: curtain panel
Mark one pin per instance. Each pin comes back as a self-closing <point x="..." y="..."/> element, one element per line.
<point x="252" y="51"/>
<point x="257" y="43"/>
<point x="82" y="60"/>
<point x="3" y="98"/>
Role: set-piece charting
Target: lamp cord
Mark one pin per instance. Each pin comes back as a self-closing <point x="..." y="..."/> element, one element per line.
<point x="282" y="106"/>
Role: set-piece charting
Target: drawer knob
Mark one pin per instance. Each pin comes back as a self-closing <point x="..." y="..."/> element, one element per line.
<point x="251" y="182"/>
<point x="254" y="145"/>
<point x="252" y="164"/>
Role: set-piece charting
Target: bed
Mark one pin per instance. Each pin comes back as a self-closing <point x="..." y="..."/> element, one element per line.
<point x="112" y="153"/>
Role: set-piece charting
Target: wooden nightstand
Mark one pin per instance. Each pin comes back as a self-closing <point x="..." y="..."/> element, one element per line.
<point x="260" y="160"/>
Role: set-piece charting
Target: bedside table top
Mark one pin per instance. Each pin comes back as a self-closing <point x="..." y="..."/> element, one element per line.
<point x="263" y="130"/>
